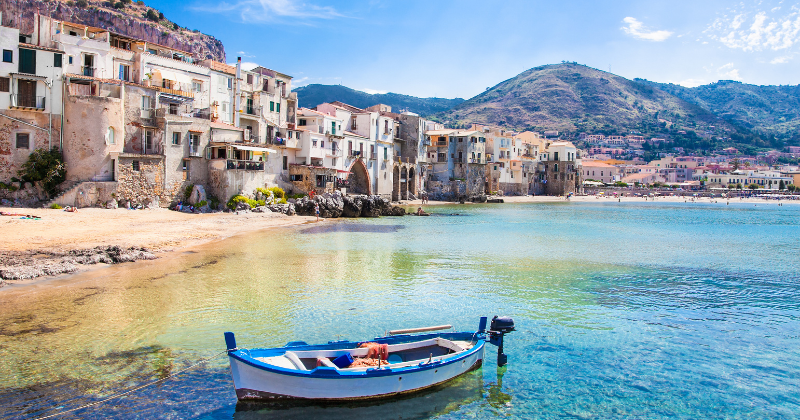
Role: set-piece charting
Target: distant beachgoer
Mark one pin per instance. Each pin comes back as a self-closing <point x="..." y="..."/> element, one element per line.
<point x="316" y="210"/>
<point x="71" y="209"/>
<point x="420" y="212"/>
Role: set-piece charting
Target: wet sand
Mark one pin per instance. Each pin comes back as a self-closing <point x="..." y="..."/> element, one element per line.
<point x="47" y="241"/>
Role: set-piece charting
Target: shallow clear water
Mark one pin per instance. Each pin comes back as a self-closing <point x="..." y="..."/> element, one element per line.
<point x="623" y="310"/>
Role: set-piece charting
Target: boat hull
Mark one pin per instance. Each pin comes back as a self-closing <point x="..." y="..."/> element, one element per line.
<point x="256" y="382"/>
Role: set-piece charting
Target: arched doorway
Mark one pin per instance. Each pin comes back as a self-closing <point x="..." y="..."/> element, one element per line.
<point x="358" y="179"/>
<point x="412" y="182"/>
<point x="396" y="184"/>
<point x="404" y="183"/>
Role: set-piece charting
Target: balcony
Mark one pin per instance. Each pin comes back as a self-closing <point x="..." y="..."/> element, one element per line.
<point x="246" y="165"/>
<point x="27" y="101"/>
<point x="87" y="71"/>
<point x="195" y="151"/>
<point x="252" y="110"/>
<point x="176" y="92"/>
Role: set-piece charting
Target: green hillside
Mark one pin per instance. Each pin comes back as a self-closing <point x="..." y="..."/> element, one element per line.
<point x="313" y="95"/>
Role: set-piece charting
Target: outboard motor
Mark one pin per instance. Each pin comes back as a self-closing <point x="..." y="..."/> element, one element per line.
<point x="501" y="325"/>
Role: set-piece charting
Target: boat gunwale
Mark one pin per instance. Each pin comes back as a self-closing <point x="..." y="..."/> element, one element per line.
<point x="331" y="373"/>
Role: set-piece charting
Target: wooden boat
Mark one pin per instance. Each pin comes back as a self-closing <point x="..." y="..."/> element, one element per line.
<point x="415" y="359"/>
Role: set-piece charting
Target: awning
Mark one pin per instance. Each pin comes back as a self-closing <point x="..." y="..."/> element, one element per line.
<point x="254" y="149"/>
<point x="27" y="76"/>
<point x="343" y="172"/>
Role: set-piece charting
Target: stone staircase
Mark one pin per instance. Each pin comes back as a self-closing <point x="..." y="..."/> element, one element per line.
<point x="66" y="188"/>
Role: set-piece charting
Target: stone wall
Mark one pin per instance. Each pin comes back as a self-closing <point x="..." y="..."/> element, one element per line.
<point x="145" y="185"/>
<point x="559" y="177"/>
<point x="11" y="158"/>
<point x="89" y="194"/>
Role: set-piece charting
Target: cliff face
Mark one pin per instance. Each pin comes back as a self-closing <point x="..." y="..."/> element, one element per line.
<point x="129" y="21"/>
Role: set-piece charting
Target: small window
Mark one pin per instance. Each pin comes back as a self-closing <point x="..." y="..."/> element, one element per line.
<point x="173" y="109"/>
<point x="278" y="107"/>
<point x="197" y="86"/>
<point x="110" y="136"/>
<point x="249" y="79"/>
<point x="296" y="178"/>
<point x="135" y="165"/>
<point x="230" y="83"/>
<point x="314" y="143"/>
<point x="271" y="106"/>
<point x="23" y="140"/>
<point x="302" y="121"/>
<point x="8" y="56"/>
<point x="176" y="138"/>
<point x="57" y="59"/>
<point x="69" y="59"/>
<point x="124" y="72"/>
<point x="185" y="165"/>
<point x="5" y="84"/>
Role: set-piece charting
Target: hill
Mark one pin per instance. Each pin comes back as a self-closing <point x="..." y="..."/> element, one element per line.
<point x="133" y="19"/>
<point x="772" y="110"/>
<point x="572" y="97"/>
<point x="313" y="95"/>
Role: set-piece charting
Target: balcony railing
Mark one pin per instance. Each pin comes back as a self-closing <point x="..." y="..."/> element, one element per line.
<point x="246" y="165"/>
<point x="252" y="110"/>
<point x="176" y="92"/>
<point x="195" y="151"/>
<point x="27" y="101"/>
<point x="87" y="71"/>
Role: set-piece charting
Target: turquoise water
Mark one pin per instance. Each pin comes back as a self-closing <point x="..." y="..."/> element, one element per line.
<point x="623" y="310"/>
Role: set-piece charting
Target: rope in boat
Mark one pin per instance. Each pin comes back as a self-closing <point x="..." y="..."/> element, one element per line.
<point x="134" y="389"/>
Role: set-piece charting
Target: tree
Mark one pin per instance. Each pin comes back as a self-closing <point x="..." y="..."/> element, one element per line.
<point x="739" y="186"/>
<point x="151" y="15"/>
<point x="46" y="167"/>
<point x="735" y="163"/>
<point x="781" y="185"/>
<point x="753" y="186"/>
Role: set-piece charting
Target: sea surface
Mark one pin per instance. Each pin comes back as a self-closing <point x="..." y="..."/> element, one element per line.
<point x="623" y="311"/>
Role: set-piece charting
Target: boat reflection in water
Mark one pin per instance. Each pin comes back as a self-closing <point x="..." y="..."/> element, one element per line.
<point x="435" y="401"/>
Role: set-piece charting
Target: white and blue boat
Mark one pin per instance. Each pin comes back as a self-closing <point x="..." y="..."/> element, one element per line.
<point x="412" y="360"/>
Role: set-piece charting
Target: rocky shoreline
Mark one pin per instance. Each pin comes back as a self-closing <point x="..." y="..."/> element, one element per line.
<point x="27" y="265"/>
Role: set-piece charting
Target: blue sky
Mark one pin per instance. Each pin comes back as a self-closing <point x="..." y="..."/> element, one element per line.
<point x="459" y="48"/>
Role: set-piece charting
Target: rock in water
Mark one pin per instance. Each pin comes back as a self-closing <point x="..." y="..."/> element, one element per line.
<point x="353" y="204"/>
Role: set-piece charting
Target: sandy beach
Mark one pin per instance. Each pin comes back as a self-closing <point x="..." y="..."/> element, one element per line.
<point x="62" y="242"/>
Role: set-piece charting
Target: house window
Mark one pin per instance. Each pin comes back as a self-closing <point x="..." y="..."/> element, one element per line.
<point x="302" y="121"/>
<point x="124" y="72"/>
<point x="145" y="102"/>
<point x="272" y="107"/>
<point x="354" y="123"/>
<point x="23" y="140"/>
<point x="278" y="107"/>
<point x="197" y="86"/>
<point x="57" y="60"/>
<point x="195" y="139"/>
<point x="176" y="138"/>
<point x="314" y="143"/>
<point x="27" y="61"/>
<point x="285" y="163"/>
<point x="385" y="153"/>
<point x="333" y="162"/>
<point x="173" y="109"/>
<point x="110" y="136"/>
<point x="322" y="144"/>
<point x="230" y="83"/>
<point x="148" y="139"/>
<point x="5" y="84"/>
<point x="249" y="79"/>
<point x="185" y="165"/>
<point x="224" y="107"/>
<point x="386" y="127"/>
<point x="8" y="56"/>
<point x="69" y="59"/>
<point x="135" y="166"/>
<point x="372" y="151"/>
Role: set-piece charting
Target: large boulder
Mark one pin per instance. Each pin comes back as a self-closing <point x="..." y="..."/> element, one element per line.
<point x="353" y="204"/>
<point x="287" y="209"/>
<point x="393" y="211"/>
<point x="242" y="206"/>
<point x="198" y="195"/>
<point x="374" y="206"/>
<point x="330" y="205"/>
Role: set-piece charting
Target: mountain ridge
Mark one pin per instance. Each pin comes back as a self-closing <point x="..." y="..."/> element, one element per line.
<point x="315" y="94"/>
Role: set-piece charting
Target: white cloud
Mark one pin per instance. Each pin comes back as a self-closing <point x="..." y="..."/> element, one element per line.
<point x="299" y="82"/>
<point x="727" y="72"/>
<point x="257" y="11"/>
<point x="690" y="83"/>
<point x="781" y="60"/>
<point x="636" y="29"/>
<point x="373" y="91"/>
<point x="757" y="31"/>
<point x="246" y="65"/>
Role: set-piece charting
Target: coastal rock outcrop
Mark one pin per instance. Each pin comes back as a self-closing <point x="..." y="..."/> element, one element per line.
<point x="28" y="265"/>
<point x="336" y="205"/>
